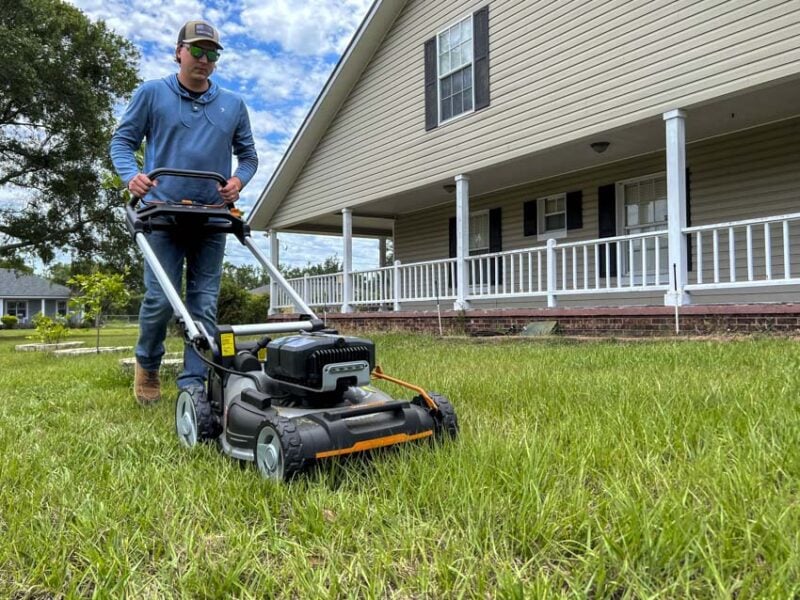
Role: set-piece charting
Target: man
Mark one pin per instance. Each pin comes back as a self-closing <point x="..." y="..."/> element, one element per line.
<point x="189" y="122"/>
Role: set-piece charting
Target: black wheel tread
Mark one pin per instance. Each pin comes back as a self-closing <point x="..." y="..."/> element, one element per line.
<point x="445" y="419"/>
<point x="208" y="427"/>
<point x="291" y="444"/>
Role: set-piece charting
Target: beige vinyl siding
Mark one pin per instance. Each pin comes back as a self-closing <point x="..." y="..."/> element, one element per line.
<point x="751" y="174"/>
<point x="559" y="71"/>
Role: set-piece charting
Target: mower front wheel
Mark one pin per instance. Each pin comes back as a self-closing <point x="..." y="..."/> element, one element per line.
<point x="194" y="419"/>
<point x="277" y="452"/>
<point x="445" y="421"/>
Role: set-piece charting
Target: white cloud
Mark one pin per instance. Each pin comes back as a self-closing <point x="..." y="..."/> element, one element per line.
<point x="304" y="26"/>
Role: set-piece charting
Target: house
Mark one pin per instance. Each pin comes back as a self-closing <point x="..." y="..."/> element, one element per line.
<point x="23" y="295"/>
<point x="544" y="154"/>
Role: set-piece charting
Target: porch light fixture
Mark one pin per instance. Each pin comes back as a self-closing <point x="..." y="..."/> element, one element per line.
<point x="599" y="147"/>
<point x="449" y="187"/>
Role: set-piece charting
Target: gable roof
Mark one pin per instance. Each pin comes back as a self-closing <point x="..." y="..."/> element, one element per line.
<point x="15" y="284"/>
<point x="351" y="65"/>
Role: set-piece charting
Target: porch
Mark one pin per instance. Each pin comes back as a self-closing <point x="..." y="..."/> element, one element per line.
<point x="728" y="257"/>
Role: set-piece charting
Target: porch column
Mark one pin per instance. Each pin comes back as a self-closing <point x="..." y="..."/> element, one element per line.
<point x="44" y="307"/>
<point x="2" y="307"/>
<point x="274" y="257"/>
<point x="676" y="207"/>
<point x="347" y="260"/>
<point x="462" y="241"/>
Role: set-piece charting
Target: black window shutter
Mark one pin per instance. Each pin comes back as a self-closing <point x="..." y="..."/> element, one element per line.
<point x="431" y="86"/>
<point x="453" y="248"/>
<point x="496" y="243"/>
<point x="480" y="44"/>
<point x="607" y="221"/>
<point x="688" y="219"/>
<point x="495" y="230"/>
<point x="529" y="218"/>
<point x="575" y="210"/>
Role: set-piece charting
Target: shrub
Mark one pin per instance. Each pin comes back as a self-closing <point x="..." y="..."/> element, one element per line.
<point x="9" y="321"/>
<point x="237" y="306"/>
<point x="50" y="331"/>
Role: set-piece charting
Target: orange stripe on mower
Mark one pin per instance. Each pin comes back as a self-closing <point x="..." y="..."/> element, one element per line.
<point x="379" y="374"/>
<point x="380" y="442"/>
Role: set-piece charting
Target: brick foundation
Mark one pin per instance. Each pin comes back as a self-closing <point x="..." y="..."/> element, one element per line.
<point x="640" y="321"/>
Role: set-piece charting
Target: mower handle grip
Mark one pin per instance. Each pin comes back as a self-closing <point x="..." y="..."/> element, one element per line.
<point x="188" y="173"/>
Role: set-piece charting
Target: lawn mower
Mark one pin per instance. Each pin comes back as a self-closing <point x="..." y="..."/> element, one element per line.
<point x="292" y="401"/>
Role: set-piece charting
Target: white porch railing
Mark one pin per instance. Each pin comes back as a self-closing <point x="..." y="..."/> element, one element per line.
<point x="754" y="252"/>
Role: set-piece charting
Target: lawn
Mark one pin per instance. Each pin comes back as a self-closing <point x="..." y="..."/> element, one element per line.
<point x="600" y="469"/>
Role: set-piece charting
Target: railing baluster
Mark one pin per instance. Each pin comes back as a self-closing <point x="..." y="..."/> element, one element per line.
<point x="768" y="251"/>
<point x="699" y="238"/>
<point x="619" y="264"/>
<point x="787" y="269"/>
<point x="522" y="272"/>
<point x="732" y="255"/>
<point x="631" y="265"/>
<point x="539" y="270"/>
<point x="643" y="248"/>
<point x="596" y="266"/>
<point x="749" y="253"/>
<point x="715" y="241"/>
<point x="574" y="268"/>
<point x="608" y="265"/>
<point x="586" y="267"/>
<point x="563" y="268"/>
<point x="657" y="265"/>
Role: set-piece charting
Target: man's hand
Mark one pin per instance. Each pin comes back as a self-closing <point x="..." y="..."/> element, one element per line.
<point x="140" y="185"/>
<point x="230" y="192"/>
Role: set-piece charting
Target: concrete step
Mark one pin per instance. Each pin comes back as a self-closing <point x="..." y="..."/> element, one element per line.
<point x="48" y="347"/>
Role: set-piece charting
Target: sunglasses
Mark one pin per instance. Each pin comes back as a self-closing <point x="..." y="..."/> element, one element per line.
<point x="198" y="53"/>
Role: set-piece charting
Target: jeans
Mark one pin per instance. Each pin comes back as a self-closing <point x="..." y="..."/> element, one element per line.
<point x="203" y="255"/>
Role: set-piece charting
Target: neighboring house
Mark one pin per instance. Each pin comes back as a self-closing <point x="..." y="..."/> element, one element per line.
<point x="23" y="295"/>
<point x="552" y="153"/>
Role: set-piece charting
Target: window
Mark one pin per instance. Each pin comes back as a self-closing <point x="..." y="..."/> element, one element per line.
<point x="18" y="309"/>
<point x="61" y="308"/>
<point x="552" y="216"/>
<point x="479" y="232"/>
<point x="457" y="69"/>
<point x="644" y="208"/>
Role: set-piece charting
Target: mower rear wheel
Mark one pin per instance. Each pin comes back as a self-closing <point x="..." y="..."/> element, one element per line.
<point x="445" y="421"/>
<point x="277" y="452"/>
<point x="194" y="418"/>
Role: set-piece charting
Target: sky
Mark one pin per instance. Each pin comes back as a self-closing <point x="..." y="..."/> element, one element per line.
<point x="277" y="55"/>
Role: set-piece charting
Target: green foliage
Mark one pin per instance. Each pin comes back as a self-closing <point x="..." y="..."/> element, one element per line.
<point x="60" y="78"/>
<point x="97" y="293"/>
<point x="247" y="277"/>
<point x="9" y="321"/>
<point x="48" y="330"/>
<point x="237" y="306"/>
<point x="332" y="264"/>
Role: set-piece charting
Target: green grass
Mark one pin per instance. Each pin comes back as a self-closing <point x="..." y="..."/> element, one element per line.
<point x="602" y="469"/>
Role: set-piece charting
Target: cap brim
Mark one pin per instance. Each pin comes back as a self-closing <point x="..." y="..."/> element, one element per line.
<point x="202" y="39"/>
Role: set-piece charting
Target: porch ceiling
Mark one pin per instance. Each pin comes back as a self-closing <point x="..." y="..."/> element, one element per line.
<point x="723" y="116"/>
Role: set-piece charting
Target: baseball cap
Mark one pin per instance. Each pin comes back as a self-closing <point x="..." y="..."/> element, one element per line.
<point x="195" y="31"/>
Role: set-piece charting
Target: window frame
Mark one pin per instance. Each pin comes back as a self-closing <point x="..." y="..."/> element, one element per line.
<point x="621" y="226"/>
<point x="541" y="218"/>
<point x="59" y="304"/>
<point x="439" y="77"/>
<point x="25" y="306"/>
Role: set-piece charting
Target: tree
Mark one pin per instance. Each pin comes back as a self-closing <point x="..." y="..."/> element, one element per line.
<point x="328" y="266"/>
<point x="97" y="293"/>
<point x="246" y="277"/>
<point x="60" y="77"/>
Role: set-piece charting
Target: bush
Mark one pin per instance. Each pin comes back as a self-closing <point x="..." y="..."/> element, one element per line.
<point x="50" y="331"/>
<point x="9" y="321"/>
<point x="237" y="306"/>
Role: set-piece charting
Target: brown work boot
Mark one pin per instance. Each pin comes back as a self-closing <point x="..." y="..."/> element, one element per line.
<point x="146" y="386"/>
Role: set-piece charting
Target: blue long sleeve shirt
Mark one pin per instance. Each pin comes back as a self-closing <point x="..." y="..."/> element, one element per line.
<point x="182" y="132"/>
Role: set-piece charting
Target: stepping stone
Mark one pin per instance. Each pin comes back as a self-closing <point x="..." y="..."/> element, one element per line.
<point x="171" y="362"/>
<point x="82" y="351"/>
<point x="47" y="347"/>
